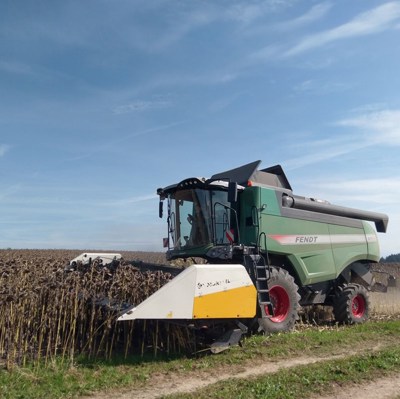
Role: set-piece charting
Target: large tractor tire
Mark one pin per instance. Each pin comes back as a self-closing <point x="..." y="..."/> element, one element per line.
<point x="351" y="304"/>
<point x="285" y="303"/>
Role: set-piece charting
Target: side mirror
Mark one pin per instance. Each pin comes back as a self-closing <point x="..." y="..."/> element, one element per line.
<point x="160" y="209"/>
<point x="232" y="192"/>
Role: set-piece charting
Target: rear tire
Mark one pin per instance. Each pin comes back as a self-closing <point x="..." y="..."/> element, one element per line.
<point x="285" y="303"/>
<point x="351" y="304"/>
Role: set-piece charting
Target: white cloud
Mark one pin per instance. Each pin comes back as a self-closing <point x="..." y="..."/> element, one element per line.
<point x="4" y="148"/>
<point x="266" y="54"/>
<point x="188" y="17"/>
<point x="274" y="51"/>
<point x="315" y="13"/>
<point x="369" y="129"/>
<point x="368" y="108"/>
<point x="381" y="127"/>
<point x="247" y="12"/>
<point x="373" y="21"/>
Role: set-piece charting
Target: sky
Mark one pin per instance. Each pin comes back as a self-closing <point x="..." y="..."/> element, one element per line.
<point x="102" y="102"/>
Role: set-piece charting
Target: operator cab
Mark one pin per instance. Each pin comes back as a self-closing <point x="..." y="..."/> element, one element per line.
<point x="202" y="218"/>
<point x="203" y="213"/>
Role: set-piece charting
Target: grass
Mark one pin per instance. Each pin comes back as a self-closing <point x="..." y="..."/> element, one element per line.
<point x="60" y="380"/>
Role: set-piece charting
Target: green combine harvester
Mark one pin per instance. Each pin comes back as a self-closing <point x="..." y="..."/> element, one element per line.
<point x="267" y="252"/>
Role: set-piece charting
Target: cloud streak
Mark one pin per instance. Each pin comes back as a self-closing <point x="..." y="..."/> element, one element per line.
<point x="324" y="150"/>
<point x="379" y="191"/>
<point x="376" y="20"/>
<point x="315" y="13"/>
<point x="104" y="147"/>
<point x="373" y="21"/>
<point x="142" y="106"/>
<point x="368" y="129"/>
<point x="381" y="127"/>
<point x="247" y="12"/>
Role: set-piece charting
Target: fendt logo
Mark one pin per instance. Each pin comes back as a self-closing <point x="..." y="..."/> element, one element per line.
<point x="323" y="239"/>
<point x="306" y="239"/>
<point x="301" y="239"/>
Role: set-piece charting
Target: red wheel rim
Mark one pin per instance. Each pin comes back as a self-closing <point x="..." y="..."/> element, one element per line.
<point x="280" y="303"/>
<point x="358" y="306"/>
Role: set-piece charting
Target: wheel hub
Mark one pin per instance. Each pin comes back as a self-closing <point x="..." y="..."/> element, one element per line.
<point x="280" y="304"/>
<point x="358" y="306"/>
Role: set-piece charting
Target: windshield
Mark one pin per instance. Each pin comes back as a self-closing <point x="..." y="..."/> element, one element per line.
<point x="198" y="218"/>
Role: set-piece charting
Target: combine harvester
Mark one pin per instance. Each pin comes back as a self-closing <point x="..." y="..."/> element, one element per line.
<point x="267" y="253"/>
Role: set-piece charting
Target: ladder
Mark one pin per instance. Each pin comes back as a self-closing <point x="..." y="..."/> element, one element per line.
<point x="261" y="275"/>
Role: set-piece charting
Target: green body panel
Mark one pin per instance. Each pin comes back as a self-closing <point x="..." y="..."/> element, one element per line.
<point x="347" y="253"/>
<point x="318" y="250"/>
<point x="373" y="245"/>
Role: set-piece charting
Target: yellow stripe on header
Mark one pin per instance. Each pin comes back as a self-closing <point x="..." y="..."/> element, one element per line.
<point x="235" y="303"/>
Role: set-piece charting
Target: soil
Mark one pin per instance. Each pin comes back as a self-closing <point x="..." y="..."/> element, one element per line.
<point x="384" y="388"/>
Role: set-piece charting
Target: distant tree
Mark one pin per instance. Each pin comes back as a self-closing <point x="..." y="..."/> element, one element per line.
<point x="395" y="258"/>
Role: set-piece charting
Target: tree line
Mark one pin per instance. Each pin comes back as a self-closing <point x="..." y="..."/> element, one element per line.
<point x="395" y="258"/>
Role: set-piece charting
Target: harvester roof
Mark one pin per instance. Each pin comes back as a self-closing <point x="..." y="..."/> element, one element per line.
<point x="273" y="176"/>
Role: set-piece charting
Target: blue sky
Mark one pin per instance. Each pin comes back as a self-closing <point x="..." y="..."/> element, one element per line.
<point x="102" y="102"/>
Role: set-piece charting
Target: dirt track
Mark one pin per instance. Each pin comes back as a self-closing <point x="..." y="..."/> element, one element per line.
<point x="388" y="388"/>
<point x="199" y="380"/>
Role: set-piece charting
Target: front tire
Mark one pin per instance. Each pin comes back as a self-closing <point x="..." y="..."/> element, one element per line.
<point x="285" y="303"/>
<point x="351" y="304"/>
